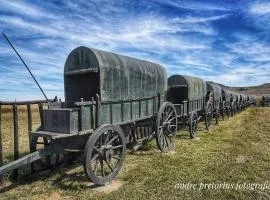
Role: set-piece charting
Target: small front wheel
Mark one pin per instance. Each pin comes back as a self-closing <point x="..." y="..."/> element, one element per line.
<point x="104" y="154"/>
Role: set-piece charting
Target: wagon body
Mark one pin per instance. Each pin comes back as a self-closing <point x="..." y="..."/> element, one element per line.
<point x="110" y="100"/>
<point x="127" y="89"/>
<point x="215" y="92"/>
<point x="252" y="100"/>
<point x="191" y="101"/>
<point x="265" y="100"/>
<point x="234" y="96"/>
<point x="187" y="93"/>
<point x="226" y="95"/>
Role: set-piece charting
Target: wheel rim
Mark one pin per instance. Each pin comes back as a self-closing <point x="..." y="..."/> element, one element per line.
<point x="166" y="127"/>
<point x="193" y="125"/>
<point x="104" y="154"/>
<point x="208" y="116"/>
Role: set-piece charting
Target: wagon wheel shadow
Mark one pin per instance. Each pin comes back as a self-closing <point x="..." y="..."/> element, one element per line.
<point x="68" y="176"/>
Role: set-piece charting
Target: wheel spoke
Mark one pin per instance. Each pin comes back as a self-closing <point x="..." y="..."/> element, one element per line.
<point x="102" y="168"/>
<point x="115" y="157"/>
<point x="107" y="137"/>
<point x="171" y="119"/>
<point x="96" y="167"/>
<point x="108" y="164"/>
<point x="95" y="157"/>
<point x="116" y="147"/>
<point x="111" y="140"/>
<point x="168" y="116"/>
<point x="164" y="139"/>
<point x="166" y="134"/>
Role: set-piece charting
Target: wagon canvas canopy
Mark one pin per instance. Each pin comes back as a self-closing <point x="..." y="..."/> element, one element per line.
<point x="196" y="87"/>
<point x="226" y="94"/>
<point x="216" y="89"/>
<point x="235" y="96"/>
<point x="114" y="77"/>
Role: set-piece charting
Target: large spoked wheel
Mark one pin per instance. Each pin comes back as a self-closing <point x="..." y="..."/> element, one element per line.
<point x="39" y="143"/>
<point x="166" y="127"/>
<point x="104" y="154"/>
<point x="193" y="122"/>
<point x="208" y="115"/>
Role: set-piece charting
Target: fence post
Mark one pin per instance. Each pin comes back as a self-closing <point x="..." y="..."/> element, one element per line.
<point x="1" y="148"/>
<point x="40" y="108"/>
<point x="29" y="120"/>
<point x="29" y="117"/>
<point x="16" y="137"/>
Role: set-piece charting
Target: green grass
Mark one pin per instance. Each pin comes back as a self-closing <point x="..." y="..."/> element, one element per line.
<point x="236" y="151"/>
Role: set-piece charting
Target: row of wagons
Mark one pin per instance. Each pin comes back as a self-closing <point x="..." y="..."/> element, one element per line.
<point x="114" y="102"/>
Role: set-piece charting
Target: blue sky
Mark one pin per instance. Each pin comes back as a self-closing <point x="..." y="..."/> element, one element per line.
<point x="226" y="41"/>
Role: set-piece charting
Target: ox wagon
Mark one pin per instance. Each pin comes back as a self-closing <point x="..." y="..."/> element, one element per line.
<point x="110" y="101"/>
<point x="214" y="94"/>
<point x="235" y="102"/>
<point x="265" y="100"/>
<point x="189" y="96"/>
<point x="226" y="102"/>
<point x="252" y="100"/>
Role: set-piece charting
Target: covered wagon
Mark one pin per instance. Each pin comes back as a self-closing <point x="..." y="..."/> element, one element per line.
<point x="188" y="95"/>
<point x="110" y="101"/>
<point x="214" y="93"/>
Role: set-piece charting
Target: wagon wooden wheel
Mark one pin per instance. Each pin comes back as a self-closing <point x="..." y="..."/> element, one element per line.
<point x="228" y="111"/>
<point x="38" y="143"/>
<point x="193" y="122"/>
<point x="223" y="111"/>
<point x="208" y="115"/>
<point x="233" y="109"/>
<point x="166" y="127"/>
<point x="217" y="115"/>
<point x="104" y="154"/>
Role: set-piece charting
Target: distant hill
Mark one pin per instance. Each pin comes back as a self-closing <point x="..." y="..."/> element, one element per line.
<point x="254" y="90"/>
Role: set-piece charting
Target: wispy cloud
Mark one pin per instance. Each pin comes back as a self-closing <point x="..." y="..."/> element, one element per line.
<point x="23" y="8"/>
<point x="194" y="5"/>
<point x="260" y="8"/>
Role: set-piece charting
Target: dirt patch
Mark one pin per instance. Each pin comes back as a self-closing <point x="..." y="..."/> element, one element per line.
<point x="242" y="159"/>
<point x="108" y="188"/>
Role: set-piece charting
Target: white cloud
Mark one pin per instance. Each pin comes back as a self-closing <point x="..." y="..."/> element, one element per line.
<point x="191" y="19"/>
<point x="191" y="5"/>
<point x="260" y="8"/>
<point x="23" y="8"/>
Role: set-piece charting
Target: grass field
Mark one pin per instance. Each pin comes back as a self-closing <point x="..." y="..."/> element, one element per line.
<point x="235" y="152"/>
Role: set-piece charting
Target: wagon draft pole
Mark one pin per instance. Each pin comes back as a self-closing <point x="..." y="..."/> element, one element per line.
<point x="25" y="65"/>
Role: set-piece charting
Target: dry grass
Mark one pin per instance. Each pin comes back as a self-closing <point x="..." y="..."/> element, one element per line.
<point x="236" y="151"/>
<point x="7" y="130"/>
